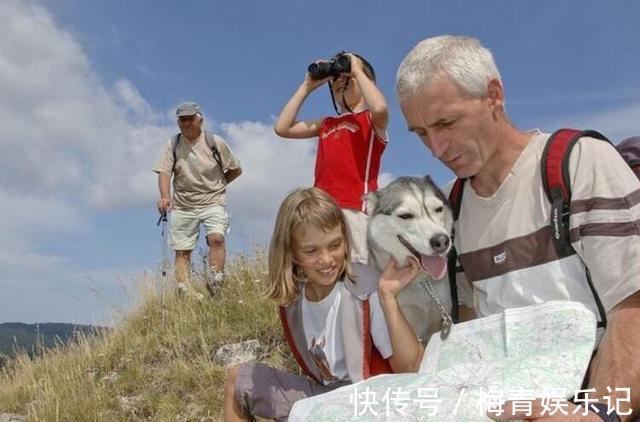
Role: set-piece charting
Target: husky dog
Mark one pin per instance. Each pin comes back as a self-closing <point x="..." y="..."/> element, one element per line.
<point x="411" y="217"/>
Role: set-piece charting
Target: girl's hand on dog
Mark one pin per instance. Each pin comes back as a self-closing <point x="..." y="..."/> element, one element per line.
<point x="395" y="278"/>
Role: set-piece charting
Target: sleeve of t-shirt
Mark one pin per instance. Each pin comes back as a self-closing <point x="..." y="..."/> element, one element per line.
<point x="605" y="219"/>
<point x="379" y="330"/>
<point x="229" y="160"/>
<point x="165" y="163"/>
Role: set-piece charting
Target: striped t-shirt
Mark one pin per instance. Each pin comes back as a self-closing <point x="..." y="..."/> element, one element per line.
<point x="505" y="245"/>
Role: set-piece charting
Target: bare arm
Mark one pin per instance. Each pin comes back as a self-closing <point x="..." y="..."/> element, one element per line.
<point x="164" y="182"/>
<point x="372" y="96"/>
<point x="407" y="350"/>
<point x="287" y="126"/>
<point x="617" y="363"/>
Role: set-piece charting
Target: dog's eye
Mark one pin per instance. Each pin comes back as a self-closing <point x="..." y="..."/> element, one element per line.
<point x="406" y="216"/>
<point x="439" y="209"/>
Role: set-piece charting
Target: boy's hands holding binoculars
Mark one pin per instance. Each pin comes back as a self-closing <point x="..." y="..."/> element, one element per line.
<point x="310" y="83"/>
<point x="356" y="66"/>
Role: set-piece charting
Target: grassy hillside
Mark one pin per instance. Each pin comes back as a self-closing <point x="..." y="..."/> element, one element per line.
<point x="161" y="354"/>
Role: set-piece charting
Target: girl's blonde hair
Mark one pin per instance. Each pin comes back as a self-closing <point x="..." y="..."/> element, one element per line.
<point x="304" y="205"/>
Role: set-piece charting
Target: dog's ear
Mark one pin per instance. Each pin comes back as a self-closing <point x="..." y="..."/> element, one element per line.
<point x="371" y="199"/>
<point x="436" y="190"/>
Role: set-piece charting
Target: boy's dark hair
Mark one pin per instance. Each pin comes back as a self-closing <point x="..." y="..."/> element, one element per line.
<point x="368" y="69"/>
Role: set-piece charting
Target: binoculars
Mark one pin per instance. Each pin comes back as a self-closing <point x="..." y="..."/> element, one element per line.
<point x="333" y="67"/>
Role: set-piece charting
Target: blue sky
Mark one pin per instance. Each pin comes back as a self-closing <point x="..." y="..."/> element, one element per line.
<point x="88" y="91"/>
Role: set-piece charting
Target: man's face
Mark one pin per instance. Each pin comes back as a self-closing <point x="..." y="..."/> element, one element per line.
<point x="190" y="126"/>
<point x="458" y="128"/>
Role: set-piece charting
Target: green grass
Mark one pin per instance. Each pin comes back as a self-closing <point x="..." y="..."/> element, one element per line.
<point x="161" y="353"/>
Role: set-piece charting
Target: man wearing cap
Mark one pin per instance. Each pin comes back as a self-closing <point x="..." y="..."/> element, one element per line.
<point x="202" y="165"/>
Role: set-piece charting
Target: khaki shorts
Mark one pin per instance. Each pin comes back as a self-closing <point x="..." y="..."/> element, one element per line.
<point x="357" y="223"/>
<point x="184" y="225"/>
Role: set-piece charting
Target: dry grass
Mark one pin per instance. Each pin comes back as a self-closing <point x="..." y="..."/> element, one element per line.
<point x="160" y="354"/>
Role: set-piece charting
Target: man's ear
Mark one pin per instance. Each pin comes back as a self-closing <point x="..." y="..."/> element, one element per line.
<point x="495" y="94"/>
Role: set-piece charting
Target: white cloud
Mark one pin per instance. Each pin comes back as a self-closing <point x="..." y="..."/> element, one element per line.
<point x="616" y="124"/>
<point x="133" y="101"/>
<point x="385" y="179"/>
<point x="63" y="130"/>
<point x="68" y="145"/>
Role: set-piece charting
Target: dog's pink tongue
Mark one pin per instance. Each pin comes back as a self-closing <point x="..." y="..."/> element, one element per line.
<point x="435" y="266"/>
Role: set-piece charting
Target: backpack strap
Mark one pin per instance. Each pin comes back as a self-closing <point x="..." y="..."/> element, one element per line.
<point x="557" y="182"/>
<point x="453" y="283"/>
<point x="174" y="146"/>
<point x="294" y="336"/>
<point x="372" y="362"/>
<point x="455" y="199"/>
<point x="211" y="141"/>
<point x="557" y="186"/>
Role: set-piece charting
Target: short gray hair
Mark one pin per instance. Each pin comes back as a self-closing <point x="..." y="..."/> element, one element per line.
<point x="464" y="60"/>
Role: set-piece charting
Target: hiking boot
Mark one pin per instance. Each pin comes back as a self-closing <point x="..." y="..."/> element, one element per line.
<point x="214" y="281"/>
<point x="185" y="290"/>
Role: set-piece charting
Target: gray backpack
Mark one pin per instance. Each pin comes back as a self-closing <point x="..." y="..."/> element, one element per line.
<point x="630" y="151"/>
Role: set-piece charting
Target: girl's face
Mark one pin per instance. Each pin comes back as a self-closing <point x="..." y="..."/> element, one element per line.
<point x="320" y="255"/>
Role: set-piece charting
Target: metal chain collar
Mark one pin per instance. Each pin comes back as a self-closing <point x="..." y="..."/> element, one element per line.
<point x="447" y="322"/>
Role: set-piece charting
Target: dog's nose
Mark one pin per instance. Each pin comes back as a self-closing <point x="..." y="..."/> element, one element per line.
<point x="439" y="243"/>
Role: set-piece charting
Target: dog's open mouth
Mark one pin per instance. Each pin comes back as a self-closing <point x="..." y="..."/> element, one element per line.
<point x="434" y="265"/>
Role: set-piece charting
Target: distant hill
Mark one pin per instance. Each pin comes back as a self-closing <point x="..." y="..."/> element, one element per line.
<point x="31" y="337"/>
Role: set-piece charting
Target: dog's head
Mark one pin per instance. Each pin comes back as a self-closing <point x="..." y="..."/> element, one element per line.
<point x="411" y="217"/>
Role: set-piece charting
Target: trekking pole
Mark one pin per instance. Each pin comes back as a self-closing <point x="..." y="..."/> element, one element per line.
<point x="165" y="264"/>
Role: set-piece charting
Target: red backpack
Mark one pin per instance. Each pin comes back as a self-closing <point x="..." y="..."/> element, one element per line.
<point x="557" y="186"/>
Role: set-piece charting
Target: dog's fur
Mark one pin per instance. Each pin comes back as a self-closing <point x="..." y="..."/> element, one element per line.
<point x="412" y="213"/>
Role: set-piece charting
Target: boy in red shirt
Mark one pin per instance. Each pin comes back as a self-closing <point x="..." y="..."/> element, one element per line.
<point x="350" y="146"/>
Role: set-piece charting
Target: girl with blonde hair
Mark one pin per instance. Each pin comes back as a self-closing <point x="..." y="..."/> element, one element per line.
<point x="336" y="335"/>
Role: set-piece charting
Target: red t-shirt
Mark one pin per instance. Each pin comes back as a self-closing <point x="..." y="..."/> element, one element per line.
<point x="348" y="158"/>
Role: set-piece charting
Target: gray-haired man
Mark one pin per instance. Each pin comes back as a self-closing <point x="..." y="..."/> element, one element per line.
<point x="202" y="165"/>
<point x="452" y="97"/>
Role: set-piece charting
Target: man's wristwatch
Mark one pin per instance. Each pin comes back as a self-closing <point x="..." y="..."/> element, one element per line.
<point x="603" y="408"/>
